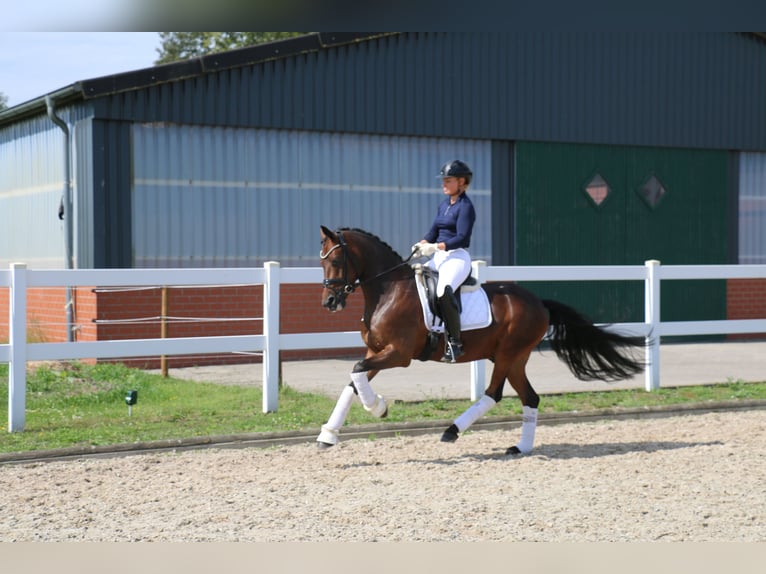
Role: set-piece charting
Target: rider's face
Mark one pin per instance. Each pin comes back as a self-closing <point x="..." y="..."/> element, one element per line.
<point x="450" y="186"/>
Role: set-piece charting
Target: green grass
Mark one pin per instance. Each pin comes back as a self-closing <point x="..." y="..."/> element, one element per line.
<point x="78" y="404"/>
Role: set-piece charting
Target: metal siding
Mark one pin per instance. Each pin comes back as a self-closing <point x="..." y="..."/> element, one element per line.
<point x="215" y="197"/>
<point x="82" y="194"/>
<point x="752" y="208"/>
<point x="641" y="88"/>
<point x="502" y="210"/>
<point x="31" y="186"/>
<point x="111" y="194"/>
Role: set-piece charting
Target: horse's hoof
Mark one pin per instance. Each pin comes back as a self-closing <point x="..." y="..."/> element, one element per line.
<point x="379" y="409"/>
<point x="514" y="450"/>
<point x="450" y="435"/>
<point x="327" y="438"/>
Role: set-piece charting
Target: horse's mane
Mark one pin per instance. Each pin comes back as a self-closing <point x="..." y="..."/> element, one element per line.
<point x="373" y="237"/>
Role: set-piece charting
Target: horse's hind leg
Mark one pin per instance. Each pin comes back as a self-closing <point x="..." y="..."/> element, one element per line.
<point x="478" y="409"/>
<point x="529" y="401"/>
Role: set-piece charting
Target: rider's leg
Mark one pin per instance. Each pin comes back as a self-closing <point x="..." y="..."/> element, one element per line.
<point x="454" y="268"/>
<point x="448" y="308"/>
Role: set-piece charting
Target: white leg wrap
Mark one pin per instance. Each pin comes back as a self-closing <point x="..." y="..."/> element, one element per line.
<point x="363" y="388"/>
<point x="330" y="430"/>
<point x="528" y="426"/>
<point x="474" y="412"/>
<point x="328" y="436"/>
<point x="372" y="403"/>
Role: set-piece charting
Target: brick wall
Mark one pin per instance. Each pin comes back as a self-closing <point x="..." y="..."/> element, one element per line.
<point x="746" y="299"/>
<point x="200" y="312"/>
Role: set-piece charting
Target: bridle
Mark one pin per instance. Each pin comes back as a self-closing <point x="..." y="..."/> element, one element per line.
<point x="341" y="286"/>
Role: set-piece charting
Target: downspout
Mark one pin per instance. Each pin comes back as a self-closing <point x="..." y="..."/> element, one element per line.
<point x="68" y="215"/>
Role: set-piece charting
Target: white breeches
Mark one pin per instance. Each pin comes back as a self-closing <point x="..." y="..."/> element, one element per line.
<point x="454" y="267"/>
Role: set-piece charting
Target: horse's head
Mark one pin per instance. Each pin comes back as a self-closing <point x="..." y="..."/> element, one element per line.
<point x="339" y="273"/>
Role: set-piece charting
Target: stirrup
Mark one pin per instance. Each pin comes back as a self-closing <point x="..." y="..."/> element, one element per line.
<point x="452" y="351"/>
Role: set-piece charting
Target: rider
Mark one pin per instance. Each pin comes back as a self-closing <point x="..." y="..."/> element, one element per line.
<point x="448" y="241"/>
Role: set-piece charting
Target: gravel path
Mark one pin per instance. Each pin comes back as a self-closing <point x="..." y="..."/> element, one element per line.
<point x="686" y="478"/>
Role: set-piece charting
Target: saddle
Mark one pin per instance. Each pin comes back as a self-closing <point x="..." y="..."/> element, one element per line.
<point x="472" y="300"/>
<point x="431" y="278"/>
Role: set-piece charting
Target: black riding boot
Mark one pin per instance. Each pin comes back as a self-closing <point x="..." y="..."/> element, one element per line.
<point x="448" y="308"/>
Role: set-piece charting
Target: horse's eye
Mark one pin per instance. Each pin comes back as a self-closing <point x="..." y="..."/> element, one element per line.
<point x="335" y="263"/>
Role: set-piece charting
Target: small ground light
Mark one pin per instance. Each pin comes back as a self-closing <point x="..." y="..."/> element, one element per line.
<point x="131" y="399"/>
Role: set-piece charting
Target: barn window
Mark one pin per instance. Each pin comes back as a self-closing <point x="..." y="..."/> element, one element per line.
<point x="652" y="191"/>
<point x="597" y="189"/>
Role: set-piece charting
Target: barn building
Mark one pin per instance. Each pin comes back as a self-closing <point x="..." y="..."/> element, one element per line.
<point x="587" y="148"/>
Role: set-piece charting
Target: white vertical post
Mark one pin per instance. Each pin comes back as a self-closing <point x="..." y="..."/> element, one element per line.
<point x="478" y="368"/>
<point x="271" y="332"/>
<point x="17" y="368"/>
<point x="652" y="320"/>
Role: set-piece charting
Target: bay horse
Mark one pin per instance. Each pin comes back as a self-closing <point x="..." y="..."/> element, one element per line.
<point x="395" y="333"/>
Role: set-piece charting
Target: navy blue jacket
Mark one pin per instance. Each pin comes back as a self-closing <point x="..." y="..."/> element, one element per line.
<point x="453" y="224"/>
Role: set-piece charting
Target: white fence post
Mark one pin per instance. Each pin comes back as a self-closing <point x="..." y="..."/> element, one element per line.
<point x="271" y="330"/>
<point x="652" y="319"/>
<point x="17" y="367"/>
<point x="478" y="368"/>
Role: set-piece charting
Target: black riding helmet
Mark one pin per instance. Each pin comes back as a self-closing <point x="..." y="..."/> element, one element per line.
<point x="456" y="168"/>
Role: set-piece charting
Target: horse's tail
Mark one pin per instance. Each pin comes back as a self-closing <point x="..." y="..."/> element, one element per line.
<point x="589" y="351"/>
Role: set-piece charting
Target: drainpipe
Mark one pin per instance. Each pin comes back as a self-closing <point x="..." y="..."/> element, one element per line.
<point x="68" y="214"/>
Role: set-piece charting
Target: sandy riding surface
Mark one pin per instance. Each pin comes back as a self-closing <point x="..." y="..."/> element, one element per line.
<point x="685" y="478"/>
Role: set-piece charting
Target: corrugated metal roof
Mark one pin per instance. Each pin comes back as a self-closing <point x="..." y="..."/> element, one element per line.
<point x="647" y="88"/>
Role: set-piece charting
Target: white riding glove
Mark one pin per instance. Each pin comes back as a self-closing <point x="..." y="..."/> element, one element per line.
<point x="425" y="249"/>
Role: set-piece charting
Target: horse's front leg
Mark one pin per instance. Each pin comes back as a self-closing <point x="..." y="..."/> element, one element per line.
<point x="330" y="430"/>
<point x="367" y="368"/>
<point x="375" y="404"/>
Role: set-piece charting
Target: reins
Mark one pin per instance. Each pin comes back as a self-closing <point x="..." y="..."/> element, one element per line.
<point x="351" y="287"/>
<point x="390" y="269"/>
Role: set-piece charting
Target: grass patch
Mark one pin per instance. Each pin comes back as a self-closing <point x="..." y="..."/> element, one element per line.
<point x="76" y="404"/>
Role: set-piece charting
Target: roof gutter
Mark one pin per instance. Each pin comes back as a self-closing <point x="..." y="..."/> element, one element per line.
<point x="38" y="105"/>
<point x="66" y="212"/>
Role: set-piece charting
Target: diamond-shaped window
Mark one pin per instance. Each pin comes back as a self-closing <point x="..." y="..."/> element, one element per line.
<point x="597" y="189"/>
<point x="652" y="191"/>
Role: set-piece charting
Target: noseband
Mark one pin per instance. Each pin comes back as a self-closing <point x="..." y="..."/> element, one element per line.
<point x="340" y="287"/>
<point x="347" y="287"/>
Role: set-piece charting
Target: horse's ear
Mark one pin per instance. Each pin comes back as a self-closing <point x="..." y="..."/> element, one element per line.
<point x="326" y="233"/>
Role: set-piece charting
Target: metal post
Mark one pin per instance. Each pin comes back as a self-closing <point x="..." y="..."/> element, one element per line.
<point x="271" y="331"/>
<point x="478" y="368"/>
<point x="17" y="368"/>
<point x="652" y="320"/>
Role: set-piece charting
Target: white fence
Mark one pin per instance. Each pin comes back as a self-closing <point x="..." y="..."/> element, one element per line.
<point x="18" y="351"/>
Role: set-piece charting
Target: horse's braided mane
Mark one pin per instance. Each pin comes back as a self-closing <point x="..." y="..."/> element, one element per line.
<point x="372" y="236"/>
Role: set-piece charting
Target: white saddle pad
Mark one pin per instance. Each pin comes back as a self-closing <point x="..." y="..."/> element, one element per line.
<point x="476" y="313"/>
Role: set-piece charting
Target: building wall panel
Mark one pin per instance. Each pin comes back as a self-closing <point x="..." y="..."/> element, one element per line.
<point x="558" y="224"/>
<point x="752" y="208"/>
<point x="215" y="197"/>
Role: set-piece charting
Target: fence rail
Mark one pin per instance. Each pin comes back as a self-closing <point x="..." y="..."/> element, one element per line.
<point x="19" y="279"/>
